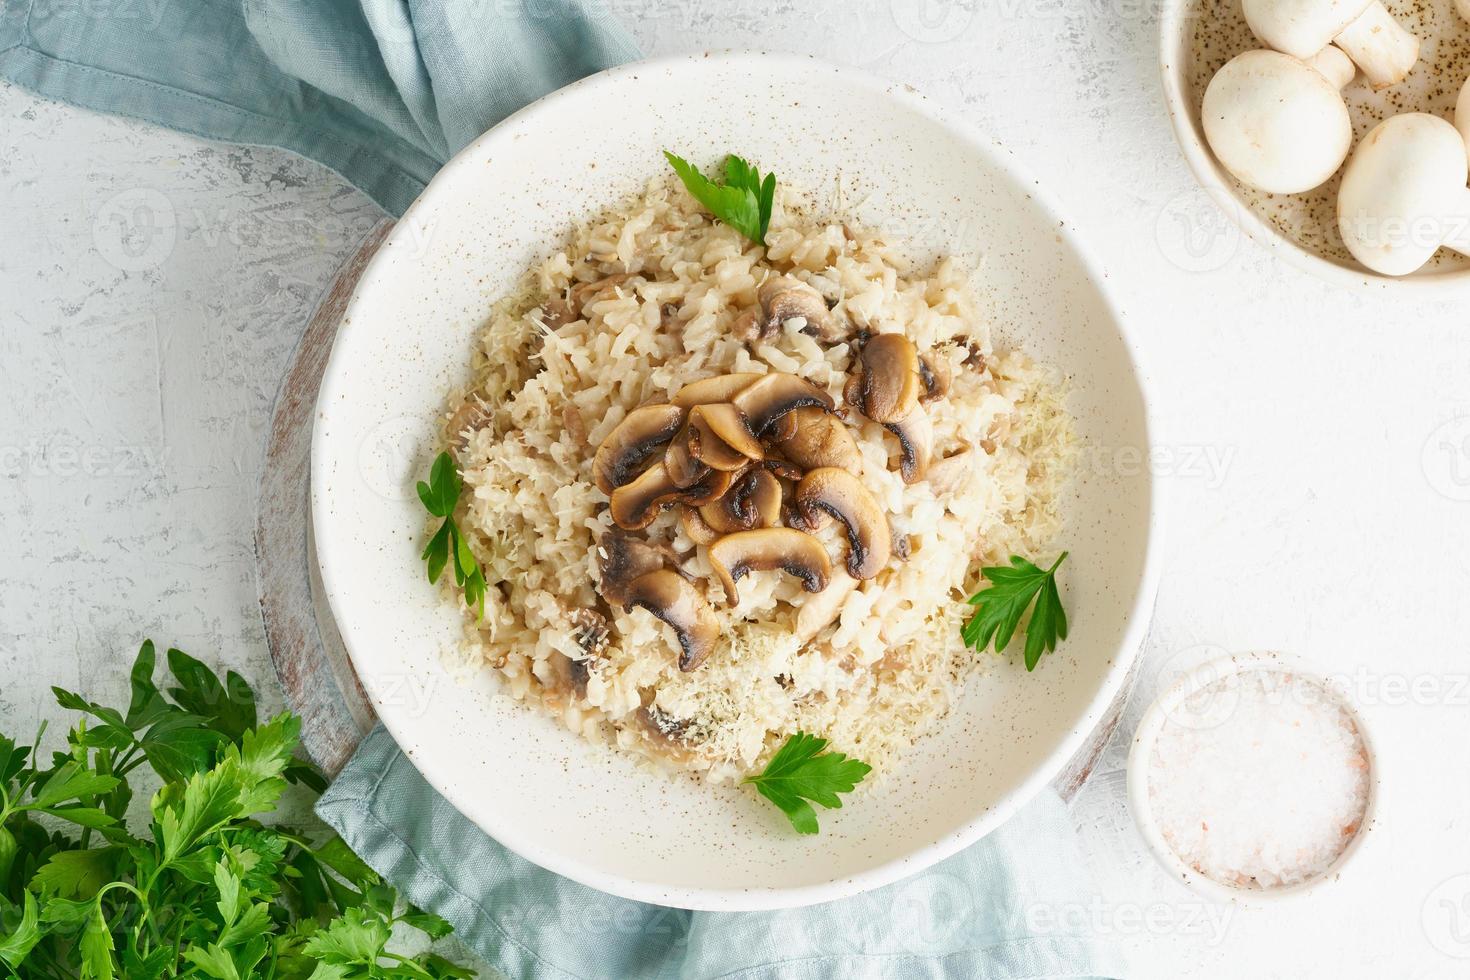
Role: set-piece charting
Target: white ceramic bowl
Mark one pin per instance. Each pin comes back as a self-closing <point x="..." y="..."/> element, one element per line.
<point x="1152" y="723"/>
<point x="1197" y="36"/>
<point x="512" y="197"/>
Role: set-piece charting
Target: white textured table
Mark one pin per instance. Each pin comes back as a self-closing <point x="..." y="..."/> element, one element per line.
<point x="1320" y="479"/>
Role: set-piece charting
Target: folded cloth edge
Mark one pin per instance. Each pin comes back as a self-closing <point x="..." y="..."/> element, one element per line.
<point x="391" y="187"/>
<point x="347" y="807"/>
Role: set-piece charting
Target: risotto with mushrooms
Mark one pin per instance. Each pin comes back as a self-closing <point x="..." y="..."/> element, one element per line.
<point x="721" y="493"/>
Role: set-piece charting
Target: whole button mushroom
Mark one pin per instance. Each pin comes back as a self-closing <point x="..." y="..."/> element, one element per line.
<point x="1277" y="124"/>
<point x="1362" y="28"/>
<point x="1462" y="106"/>
<point x="1403" y="194"/>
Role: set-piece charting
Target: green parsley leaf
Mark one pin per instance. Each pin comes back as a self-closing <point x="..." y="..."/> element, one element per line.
<point x="96" y="947"/>
<point x="76" y="874"/>
<point x="440" y="496"/>
<point x="17" y="944"/>
<point x="743" y="201"/>
<point x="800" y="771"/>
<point x="82" y="816"/>
<point x="147" y="704"/>
<point x="999" y="608"/>
<point x="69" y="782"/>
<point x="441" y="493"/>
<point x="178" y="746"/>
<point x="436" y="553"/>
<point x="354" y="938"/>
<point x="230" y="706"/>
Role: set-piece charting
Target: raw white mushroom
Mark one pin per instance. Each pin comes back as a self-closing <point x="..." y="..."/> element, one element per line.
<point x="1362" y="28"/>
<point x="1276" y="123"/>
<point x="1403" y="194"/>
<point x="1462" y="104"/>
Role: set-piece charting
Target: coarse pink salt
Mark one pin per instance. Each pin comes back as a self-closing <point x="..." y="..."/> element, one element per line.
<point x="1259" y="779"/>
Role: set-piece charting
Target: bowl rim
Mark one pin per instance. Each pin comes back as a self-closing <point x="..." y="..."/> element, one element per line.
<point x="1219" y="186"/>
<point x="1144" y="736"/>
<point x="1138" y="615"/>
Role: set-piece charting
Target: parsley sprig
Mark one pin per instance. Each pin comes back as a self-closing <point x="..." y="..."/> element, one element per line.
<point x="440" y="496"/>
<point x="743" y="201"/>
<point x="206" y="890"/>
<point x="999" y="608"/>
<point x="801" y="771"/>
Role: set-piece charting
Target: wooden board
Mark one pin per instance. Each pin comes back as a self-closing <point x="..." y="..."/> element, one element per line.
<point x="316" y="676"/>
<point x="315" y="672"/>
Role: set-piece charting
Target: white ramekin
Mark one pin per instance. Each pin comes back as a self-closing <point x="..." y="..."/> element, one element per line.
<point x="1143" y="743"/>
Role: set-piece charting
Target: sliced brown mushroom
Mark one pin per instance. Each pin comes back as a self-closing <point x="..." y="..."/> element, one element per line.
<point x="556" y="313"/>
<point x="574" y="424"/>
<point x="889" y="387"/>
<point x="683" y="468"/>
<point x="586" y="292"/>
<point x="948" y="474"/>
<point x="820" y="439"/>
<point x="935" y="374"/>
<point x="696" y="527"/>
<point x="830" y="490"/>
<point x="792" y="551"/>
<point x="750" y="324"/>
<point x="663" y="727"/>
<point x="474" y="414"/>
<point x="621" y="559"/>
<point x="678" y="603"/>
<point x="783" y="428"/>
<point x="916" y="443"/>
<point x="718" y="437"/>
<point x="784" y="299"/>
<point x="636" y="505"/>
<point x="763" y="402"/>
<point x="720" y="388"/>
<point x="785" y="469"/>
<point x="753" y="500"/>
<point x="632" y="442"/>
<point x="819" y="610"/>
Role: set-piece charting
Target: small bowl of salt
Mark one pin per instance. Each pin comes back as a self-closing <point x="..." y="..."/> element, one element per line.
<point x="1253" y="779"/>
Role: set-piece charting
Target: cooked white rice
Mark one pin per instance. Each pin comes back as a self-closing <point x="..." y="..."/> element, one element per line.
<point x="544" y="398"/>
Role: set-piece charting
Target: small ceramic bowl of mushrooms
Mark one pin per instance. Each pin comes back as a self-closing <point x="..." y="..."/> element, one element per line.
<point x="1334" y="132"/>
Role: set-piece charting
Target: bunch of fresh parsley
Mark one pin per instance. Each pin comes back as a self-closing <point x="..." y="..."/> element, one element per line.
<point x="207" y="890"/>
<point x="440" y="496"/>
<point x="743" y="201"/>
<point x="999" y="608"/>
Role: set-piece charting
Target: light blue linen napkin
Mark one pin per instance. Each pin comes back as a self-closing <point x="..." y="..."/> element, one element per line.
<point x="1012" y="907"/>
<point x="383" y="92"/>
